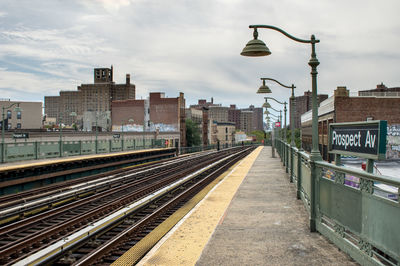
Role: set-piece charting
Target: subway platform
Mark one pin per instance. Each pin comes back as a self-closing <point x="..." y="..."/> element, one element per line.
<point x="250" y="217"/>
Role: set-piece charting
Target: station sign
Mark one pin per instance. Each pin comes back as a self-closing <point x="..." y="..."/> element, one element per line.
<point x="116" y="136"/>
<point x="21" y="135"/>
<point x="277" y="124"/>
<point x="361" y="139"/>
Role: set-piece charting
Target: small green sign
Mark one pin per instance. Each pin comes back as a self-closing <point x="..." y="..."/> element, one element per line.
<point x="21" y="135"/>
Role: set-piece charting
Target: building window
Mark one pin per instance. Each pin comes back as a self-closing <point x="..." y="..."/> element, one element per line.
<point x="226" y="130"/>
<point x="9" y="125"/>
<point x="19" y="125"/>
<point x="19" y="115"/>
<point x="9" y="114"/>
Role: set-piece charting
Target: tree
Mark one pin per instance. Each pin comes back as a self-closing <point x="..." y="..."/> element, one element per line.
<point x="192" y="133"/>
<point x="259" y="134"/>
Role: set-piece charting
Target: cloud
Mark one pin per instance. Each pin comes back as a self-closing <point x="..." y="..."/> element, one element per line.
<point x="194" y="46"/>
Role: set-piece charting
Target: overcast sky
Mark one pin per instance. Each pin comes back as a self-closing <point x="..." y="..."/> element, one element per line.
<point x="194" y="46"/>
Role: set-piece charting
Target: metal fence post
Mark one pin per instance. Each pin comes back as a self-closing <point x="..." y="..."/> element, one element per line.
<point x="314" y="195"/>
<point x="298" y="174"/>
<point x="291" y="163"/>
<point x="36" y="150"/>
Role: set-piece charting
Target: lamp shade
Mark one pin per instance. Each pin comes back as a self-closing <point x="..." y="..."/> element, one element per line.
<point x="266" y="112"/>
<point x="264" y="89"/>
<point x="266" y="105"/>
<point x="255" y="47"/>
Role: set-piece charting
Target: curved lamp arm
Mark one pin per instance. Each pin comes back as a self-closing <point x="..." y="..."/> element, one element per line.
<point x="279" y="83"/>
<point x="313" y="40"/>
<point x="275" y="100"/>
<point x="277" y="117"/>
<point x="274" y="109"/>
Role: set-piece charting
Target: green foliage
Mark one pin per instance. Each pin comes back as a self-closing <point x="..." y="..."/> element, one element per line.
<point x="259" y="134"/>
<point x="297" y="137"/>
<point x="192" y="133"/>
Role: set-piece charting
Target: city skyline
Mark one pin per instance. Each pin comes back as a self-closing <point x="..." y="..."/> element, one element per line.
<point x="194" y="47"/>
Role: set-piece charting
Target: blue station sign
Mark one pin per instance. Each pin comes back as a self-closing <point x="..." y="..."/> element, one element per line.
<point x="362" y="139"/>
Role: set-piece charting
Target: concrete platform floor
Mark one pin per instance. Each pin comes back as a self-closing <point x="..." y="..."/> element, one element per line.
<point x="264" y="224"/>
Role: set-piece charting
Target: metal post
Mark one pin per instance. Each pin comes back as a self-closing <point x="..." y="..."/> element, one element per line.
<point x="292" y="142"/>
<point x="370" y="166"/>
<point x="122" y="137"/>
<point x="284" y="140"/>
<point x="61" y="144"/>
<point x="315" y="154"/>
<point x="2" y="136"/>
<point x="96" y="134"/>
<point x="299" y="177"/>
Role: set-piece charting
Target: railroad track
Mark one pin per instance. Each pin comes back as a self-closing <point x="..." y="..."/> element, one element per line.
<point x="111" y="244"/>
<point x="21" y="197"/>
<point x="26" y="237"/>
<point x="26" y="203"/>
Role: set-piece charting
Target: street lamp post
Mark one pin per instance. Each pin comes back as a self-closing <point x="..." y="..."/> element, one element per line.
<point x="257" y="47"/>
<point x="292" y="111"/>
<point x="284" y="110"/>
<point x="16" y="109"/>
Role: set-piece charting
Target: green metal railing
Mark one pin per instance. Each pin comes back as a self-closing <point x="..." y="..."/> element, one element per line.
<point x="21" y="151"/>
<point x="356" y="210"/>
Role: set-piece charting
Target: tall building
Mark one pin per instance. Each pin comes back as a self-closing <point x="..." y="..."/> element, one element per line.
<point x="29" y="116"/>
<point x="246" y="121"/>
<point x="96" y="97"/>
<point x="52" y="107"/>
<point x="257" y="117"/>
<point x="218" y="113"/>
<point x="302" y="105"/>
<point x="234" y="115"/>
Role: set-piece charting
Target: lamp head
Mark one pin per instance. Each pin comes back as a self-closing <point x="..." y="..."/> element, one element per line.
<point x="264" y="88"/>
<point x="255" y="47"/>
<point x="266" y="104"/>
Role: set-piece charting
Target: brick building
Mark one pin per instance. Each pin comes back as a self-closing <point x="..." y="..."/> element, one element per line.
<point x="302" y="105"/>
<point x="246" y="121"/>
<point x="218" y="113"/>
<point x="157" y="113"/>
<point x="342" y="108"/>
<point x="96" y="97"/>
<point x="234" y="115"/>
<point x="257" y="122"/>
